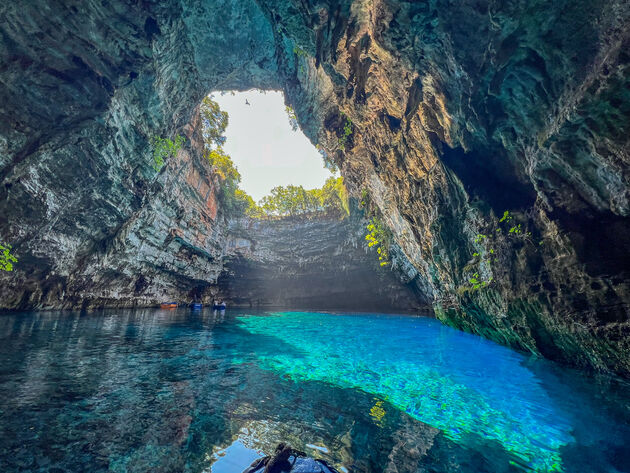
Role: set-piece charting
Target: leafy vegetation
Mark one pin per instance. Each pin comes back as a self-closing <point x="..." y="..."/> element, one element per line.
<point x="230" y="179"/>
<point x="299" y="52"/>
<point x="245" y="205"/>
<point x="379" y="237"/>
<point x="486" y="256"/>
<point x="328" y="162"/>
<point x="214" y="121"/>
<point x="6" y="258"/>
<point x="292" y="117"/>
<point x="347" y="131"/>
<point x="164" y="148"/>
<point x="292" y="201"/>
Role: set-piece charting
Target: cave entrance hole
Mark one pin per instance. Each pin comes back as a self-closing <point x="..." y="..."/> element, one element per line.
<point x="266" y="145"/>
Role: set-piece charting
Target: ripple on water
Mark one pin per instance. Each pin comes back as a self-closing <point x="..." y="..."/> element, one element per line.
<point x="172" y="391"/>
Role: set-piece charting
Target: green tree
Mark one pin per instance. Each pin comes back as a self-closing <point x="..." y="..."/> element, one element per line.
<point x="334" y="196"/>
<point x="6" y="258"/>
<point x="246" y="205"/>
<point x="165" y="148"/>
<point x="214" y="121"/>
<point x="223" y="167"/>
<point x="290" y="201"/>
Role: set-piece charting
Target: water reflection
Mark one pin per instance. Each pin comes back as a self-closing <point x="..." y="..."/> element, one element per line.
<point x="158" y="390"/>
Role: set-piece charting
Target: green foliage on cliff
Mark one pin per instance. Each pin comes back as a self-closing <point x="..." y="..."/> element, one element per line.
<point x="292" y="117"/>
<point x="6" y="258"/>
<point x="230" y="178"/>
<point x="347" y="131"/>
<point x="245" y="205"/>
<point x="328" y="162"/>
<point x="299" y="52"/>
<point x="485" y="257"/>
<point x="164" y="148"/>
<point x="379" y="237"/>
<point x="224" y="167"/>
<point x="214" y="121"/>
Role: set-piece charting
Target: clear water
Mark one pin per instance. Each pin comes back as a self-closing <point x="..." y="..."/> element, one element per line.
<point x="181" y="391"/>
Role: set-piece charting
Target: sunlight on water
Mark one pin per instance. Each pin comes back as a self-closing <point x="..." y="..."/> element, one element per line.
<point x="133" y="391"/>
<point x="456" y="382"/>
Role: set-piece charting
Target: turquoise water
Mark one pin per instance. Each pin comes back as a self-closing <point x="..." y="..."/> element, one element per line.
<point x="173" y="391"/>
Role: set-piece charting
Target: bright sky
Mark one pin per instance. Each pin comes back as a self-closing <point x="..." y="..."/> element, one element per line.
<point x="263" y="146"/>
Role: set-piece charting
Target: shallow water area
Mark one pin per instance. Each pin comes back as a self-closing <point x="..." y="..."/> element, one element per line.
<point x="163" y="390"/>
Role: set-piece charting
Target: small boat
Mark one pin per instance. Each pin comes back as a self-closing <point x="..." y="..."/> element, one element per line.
<point x="196" y="305"/>
<point x="168" y="305"/>
<point x="218" y="306"/>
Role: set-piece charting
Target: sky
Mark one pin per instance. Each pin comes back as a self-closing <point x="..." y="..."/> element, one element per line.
<point x="264" y="147"/>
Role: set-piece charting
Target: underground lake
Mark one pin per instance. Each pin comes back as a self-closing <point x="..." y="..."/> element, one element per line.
<point x="202" y="391"/>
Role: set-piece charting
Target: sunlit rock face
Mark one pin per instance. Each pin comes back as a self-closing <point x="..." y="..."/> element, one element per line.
<point x="323" y="264"/>
<point x="459" y="111"/>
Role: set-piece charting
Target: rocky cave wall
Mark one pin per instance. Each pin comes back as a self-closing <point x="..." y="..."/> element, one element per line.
<point x="321" y="263"/>
<point x="459" y="111"/>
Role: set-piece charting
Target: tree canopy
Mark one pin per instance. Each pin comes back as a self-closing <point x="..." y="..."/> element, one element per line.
<point x="214" y="121"/>
<point x="291" y="201"/>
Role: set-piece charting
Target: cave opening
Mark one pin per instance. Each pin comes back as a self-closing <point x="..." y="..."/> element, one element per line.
<point x="263" y="163"/>
<point x="266" y="144"/>
<point x="293" y="237"/>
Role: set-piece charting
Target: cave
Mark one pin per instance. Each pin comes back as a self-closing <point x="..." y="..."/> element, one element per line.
<point x="487" y="142"/>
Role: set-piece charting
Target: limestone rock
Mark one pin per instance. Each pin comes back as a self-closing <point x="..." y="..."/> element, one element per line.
<point x="458" y="112"/>
<point x="312" y="264"/>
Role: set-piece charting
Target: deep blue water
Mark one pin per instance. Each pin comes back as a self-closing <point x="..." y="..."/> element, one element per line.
<point x="181" y="391"/>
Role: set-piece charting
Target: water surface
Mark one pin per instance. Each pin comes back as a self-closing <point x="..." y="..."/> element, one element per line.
<point x="173" y="391"/>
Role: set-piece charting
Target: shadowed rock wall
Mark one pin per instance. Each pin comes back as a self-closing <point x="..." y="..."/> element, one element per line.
<point x="459" y="111"/>
<point x="313" y="264"/>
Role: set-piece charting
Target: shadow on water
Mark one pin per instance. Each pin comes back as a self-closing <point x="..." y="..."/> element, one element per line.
<point x="172" y="391"/>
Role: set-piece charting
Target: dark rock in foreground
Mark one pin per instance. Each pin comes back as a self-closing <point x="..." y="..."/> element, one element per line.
<point x="287" y="460"/>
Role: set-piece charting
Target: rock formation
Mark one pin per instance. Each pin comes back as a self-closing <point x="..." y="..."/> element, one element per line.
<point x="455" y="113"/>
<point x="313" y="264"/>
